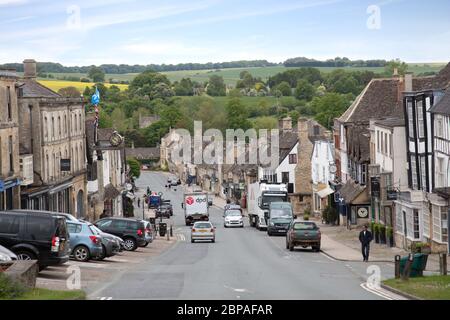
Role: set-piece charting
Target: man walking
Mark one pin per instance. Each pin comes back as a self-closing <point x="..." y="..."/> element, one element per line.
<point x="365" y="237"/>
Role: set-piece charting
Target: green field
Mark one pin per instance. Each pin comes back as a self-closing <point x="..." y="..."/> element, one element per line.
<point x="232" y="75"/>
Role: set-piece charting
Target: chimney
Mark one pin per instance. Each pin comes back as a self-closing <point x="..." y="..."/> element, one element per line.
<point x="409" y="82"/>
<point x="286" y="124"/>
<point x="395" y="72"/>
<point x="29" y="68"/>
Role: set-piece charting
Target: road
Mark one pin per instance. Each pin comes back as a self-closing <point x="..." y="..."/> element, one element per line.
<point x="242" y="264"/>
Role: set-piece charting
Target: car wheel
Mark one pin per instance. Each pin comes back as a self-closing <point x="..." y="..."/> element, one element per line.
<point x="146" y="244"/>
<point x="192" y="240"/>
<point x="269" y="233"/>
<point x="316" y="248"/>
<point x="287" y="244"/>
<point x="291" y="247"/>
<point x="81" y="253"/>
<point x="25" y="255"/>
<point x="130" y="244"/>
<point x="213" y="240"/>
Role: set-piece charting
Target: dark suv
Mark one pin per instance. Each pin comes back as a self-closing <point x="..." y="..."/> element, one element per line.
<point x="35" y="236"/>
<point x="132" y="231"/>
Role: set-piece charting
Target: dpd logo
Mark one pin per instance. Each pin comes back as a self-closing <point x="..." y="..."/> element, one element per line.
<point x="190" y="201"/>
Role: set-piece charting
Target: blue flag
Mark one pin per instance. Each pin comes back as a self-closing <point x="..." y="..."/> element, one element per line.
<point x="96" y="97"/>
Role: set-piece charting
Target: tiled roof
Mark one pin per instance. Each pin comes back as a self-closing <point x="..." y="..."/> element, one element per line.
<point x="391" y="122"/>
<point x="438" y="82"/>
<point x="350" y="191"/>
<point x="143" y="153"/>
<point x="379" y="99"/>
<point x="443" y="106"/>
<point x="288" y="140"/>
<point x="33" y="89"/>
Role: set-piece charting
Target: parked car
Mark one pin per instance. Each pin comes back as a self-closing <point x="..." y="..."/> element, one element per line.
<point x="148" y="233"/>
<point x="233" y="218"/>
<point x="203" y="230"/>
<point x="7" y="255"/>
<point x="85" y="244"/>
<point x="132" y="231"/>
<point x="110" y="243"/>
<point x="164" y="210"/>
<point x="35" y="236"/>
<point x="304" y="234"/>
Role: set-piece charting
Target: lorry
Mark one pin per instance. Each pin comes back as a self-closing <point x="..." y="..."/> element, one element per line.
<point x="280" y="218"/>
<point x="261" y="194"/>
<point x="195" y="207"/>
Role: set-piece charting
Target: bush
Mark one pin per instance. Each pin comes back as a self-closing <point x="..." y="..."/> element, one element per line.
<point x="307" y="214"/>
<point x="389" y="232"/>
<point x="9" y="288"/>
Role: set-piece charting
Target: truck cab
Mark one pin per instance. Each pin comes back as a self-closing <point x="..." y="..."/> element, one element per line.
<point x="262" y="194"/>
<point x="279" y="217"/>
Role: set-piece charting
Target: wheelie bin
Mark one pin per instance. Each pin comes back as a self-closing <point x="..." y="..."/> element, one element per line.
<point x="418" y="266"/>
<point x="162" y="229"/>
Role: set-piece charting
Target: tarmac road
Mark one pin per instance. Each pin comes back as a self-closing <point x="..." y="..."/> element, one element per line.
<point x="242" y="264"/>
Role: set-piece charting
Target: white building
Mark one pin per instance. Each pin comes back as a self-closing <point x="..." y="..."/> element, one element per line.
<point x="322" y="172"/>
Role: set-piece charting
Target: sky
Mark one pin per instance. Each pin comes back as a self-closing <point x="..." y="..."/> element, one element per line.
<point x="87" y="32"/>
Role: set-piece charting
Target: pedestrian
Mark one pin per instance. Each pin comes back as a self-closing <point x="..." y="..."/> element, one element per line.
<point x="365" y="237"/>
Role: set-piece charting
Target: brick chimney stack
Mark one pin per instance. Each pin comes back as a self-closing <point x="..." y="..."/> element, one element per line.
<point x="286" y="124"/>
<point x="409" y="82"/>
<point x="29" y="68"/>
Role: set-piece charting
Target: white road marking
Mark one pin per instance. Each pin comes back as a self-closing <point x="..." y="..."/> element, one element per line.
<point x="382" y="293"/>
<point x="105" y="298"/>
<point x="237" y="290"/>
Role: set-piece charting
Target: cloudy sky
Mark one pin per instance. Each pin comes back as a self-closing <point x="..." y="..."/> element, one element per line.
<point x="173" y="31"/>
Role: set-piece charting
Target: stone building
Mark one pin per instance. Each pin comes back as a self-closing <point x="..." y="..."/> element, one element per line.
<point x="106" y="172"/>
<point x="52" y="129"/>
<point x="9" y="142"/>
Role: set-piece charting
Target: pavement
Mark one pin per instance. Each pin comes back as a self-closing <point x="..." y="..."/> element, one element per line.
<point x="243" y="264"/>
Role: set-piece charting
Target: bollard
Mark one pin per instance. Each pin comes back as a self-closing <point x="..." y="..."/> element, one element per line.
<point x="443" y="264"/>
<point x="397" y="267"/>
<point x="407" y="271"/>
<point x="171" y="231"/>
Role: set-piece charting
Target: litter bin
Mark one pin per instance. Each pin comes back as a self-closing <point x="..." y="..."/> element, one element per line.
<point x="418" y="266"/>
<point x="162" y="229"/>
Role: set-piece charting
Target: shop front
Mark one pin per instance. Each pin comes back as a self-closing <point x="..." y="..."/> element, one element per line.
<point x="9" y="194"/>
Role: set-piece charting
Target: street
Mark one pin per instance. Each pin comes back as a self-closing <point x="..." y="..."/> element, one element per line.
<point x="242" y="264"/>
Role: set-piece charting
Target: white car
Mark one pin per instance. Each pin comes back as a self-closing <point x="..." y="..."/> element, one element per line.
<point x="203" y="230"/>
<point x="6" y="255"/>
<point x="233" y="218"/>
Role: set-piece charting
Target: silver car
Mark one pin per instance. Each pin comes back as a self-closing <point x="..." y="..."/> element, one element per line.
<point x="203" y="230"/>
<point x="233" y="218"/>
<point x="6" y="255"/>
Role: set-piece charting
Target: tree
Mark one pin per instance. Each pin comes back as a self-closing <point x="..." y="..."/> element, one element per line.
<point x="285" y="89"/>
<point x="69" y="92"/>
<point x="304" y="90"/>
<point x="161" y="91"/>
<point x="144" y="83"/>
<point x="265" y="123"/>
<point x="216" y="86"/>
<point x="184" y="88"/>
<point x="135" y="167"/>
<point x="329" y="107"/>
<point x="237" y="115"/>
<point x="96" y="74"/>
<point x="401" y="67"/>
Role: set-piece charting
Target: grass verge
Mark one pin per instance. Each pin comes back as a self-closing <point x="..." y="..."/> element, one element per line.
<point x="428" y="288"/>
<point x="45" y="294"/>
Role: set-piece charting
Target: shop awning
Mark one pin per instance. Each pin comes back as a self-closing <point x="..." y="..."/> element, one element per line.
<point x="325" y="192"/>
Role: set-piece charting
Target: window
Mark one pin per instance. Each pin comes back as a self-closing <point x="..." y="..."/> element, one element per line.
<point x="399" y="219"/>
<point x="39" y="228"/>
<point x="8" y="102"/>
<point x="385" y="143"/>
<point x="47" y="167"/>
<point x="59" y="127"/>
<point x="11" y="154"/>
<point x="416" y="222"/>
<point x="440" y="173"/>
<point x="65" y="124"/>
<point x="104" y="224"/>
<point x="413" y="170"/>
<point x="363" y="174"/>
<point x="410" y="119"/>
<point x="388" y="181"/>
<point x="316" y="130"/>
<point x="382" y="142"/>
<point x="292" y="159"/>
<point x="74" y="228"/>
<point x="46" y="127"/>
<point x="426" y="222"/>
<point x="53" y="132"/>
<point x="378" y="141"/>
<point x="9" y="224"/>
<point x="423" y="173"/>
<point x="391" y="145"/>
<point x="440" y="224"/>
<point x="439" y="127"/>
<point x="120" y="224"/>
<point x="420" y="119"/>
<point x="80" y="123"/>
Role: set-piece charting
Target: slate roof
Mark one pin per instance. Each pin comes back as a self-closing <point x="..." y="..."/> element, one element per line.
<point x="288" y="140"/>
<point x="33" y="89"/>
<point x="443" y="106"/>
<point x="350" y="191"/>
<point x="391" y="122"/>
<point x="111" y="192"/>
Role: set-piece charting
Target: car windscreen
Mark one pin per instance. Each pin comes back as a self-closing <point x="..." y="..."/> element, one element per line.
<point x="202" y="226"/>
<point x="233" y="213"/>
<point x="281" y="213"/>
<point x="269" y="199"/>
<point x="305" y="226"/>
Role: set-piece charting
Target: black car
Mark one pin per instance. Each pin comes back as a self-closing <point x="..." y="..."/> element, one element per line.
<point x="164" y="210"/>
<point x="35" y="236"/>
<point x="132" y="231"/>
